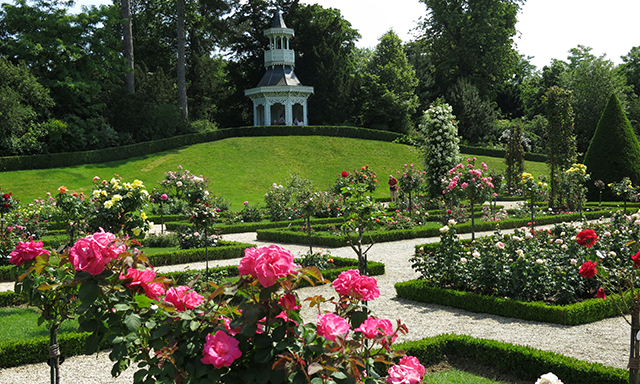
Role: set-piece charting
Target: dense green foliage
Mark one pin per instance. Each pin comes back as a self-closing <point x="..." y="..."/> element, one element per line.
<point x="614" y="152"/>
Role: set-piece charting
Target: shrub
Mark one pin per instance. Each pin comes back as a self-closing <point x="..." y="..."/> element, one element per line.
<point x="614" y="151"/>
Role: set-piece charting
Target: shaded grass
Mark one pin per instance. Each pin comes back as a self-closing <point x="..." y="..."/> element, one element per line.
<point x="239" y="169"/>
<point x="21" y="323"/>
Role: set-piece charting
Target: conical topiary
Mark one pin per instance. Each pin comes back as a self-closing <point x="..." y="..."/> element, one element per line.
<point x="614" y="151"/>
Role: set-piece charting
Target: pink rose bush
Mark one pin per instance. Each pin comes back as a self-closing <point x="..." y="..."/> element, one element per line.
<point x="243" y="331"/>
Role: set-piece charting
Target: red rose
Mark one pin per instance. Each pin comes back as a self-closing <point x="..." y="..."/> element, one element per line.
<point x="6" y="196"/>
<point x="601" y="294"/>
<point x="636" y="260"/>
<point x="345" y="174"/>
<point x="587" y="237"/>
<point x="588" y="269"/>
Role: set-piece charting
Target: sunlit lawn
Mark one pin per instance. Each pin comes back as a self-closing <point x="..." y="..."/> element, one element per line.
<point x="240" y="169"/>
<point x="21" y="323"/>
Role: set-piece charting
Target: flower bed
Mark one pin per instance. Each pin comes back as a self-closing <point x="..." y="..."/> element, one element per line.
<point x="531" y="275"/>
<point x="286" y="235"/>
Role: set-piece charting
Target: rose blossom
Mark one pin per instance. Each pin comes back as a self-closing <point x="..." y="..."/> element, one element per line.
<point x="221" y="350"/>
<point x="144" y="279"/>
<point x="601" y="294"/>
<point x="345" y="174"/>
<point x="182" y="299"/>
<point x="586" y="237"/>
<point x="289" y="302"/>
<point x="500" y="245"/>
<point x="548" y="378"/>
<point x="267" y="264"/>
<point x="27" y="251"/>
<point x="93" y="252"/>
<point x="588" y="269"/>
<point x="331" y="325"/>
<point x="407" y="371"/>
<point x="350" y="283"/>
<point x="373" y="327"/>
<point x="636" y="260"/>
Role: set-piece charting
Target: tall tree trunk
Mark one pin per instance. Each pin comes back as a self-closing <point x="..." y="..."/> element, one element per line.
<point x="182" y="82"/>
<point x="127" y="37"/>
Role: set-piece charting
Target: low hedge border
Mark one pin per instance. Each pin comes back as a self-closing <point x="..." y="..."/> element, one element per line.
<point x="252" y="227"/>
<point x="14" y="354"/>
<point x="526" y="363"/>
<point x="583" y="312"/>
<point x="285" y="235"/>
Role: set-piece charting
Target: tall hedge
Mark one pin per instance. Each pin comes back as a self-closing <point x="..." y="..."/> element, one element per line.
<point x="614" y="151"/>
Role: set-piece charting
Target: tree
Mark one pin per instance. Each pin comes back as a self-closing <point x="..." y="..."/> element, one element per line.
<point x="77" y="57"/>
<point x="475" y="115"/>
<point x="514" y="156"/>
<point x="390" y="87"/>
<point x="24" y="107"/>
<point x="614" y="151"/>
<point x="182" y="78"/>
<point x="324" y="45"/>
<point x="472" y="39"/>
<point x="560" y="138"/>
<point x="592" y="80"/>
<point x="127" y="39"/>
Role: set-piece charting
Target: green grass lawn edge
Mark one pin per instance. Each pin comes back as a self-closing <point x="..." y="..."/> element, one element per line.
<point x="524" y="362"/>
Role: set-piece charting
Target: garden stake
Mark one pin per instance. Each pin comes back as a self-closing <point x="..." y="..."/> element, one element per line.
<point x="54" y="355"/>
<point x="634" y="355"/>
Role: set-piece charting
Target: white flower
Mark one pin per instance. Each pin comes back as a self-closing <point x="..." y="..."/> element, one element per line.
<point x="500" y="244"/>
<point x="612" y="254"/>
<point x="564" y="246"/>
<point x="517" y="238"/>
<point x="179" y="183"/>
<point x="529" y="235"/>
<point x="539" y="261"/>
<point x="452" y="222"/>
<point x="444" y="229"/>
<point x="574" y="261"/>
<point x="600" y="254"/>
<point x="520" y="252"/>
<point x="463" y="260"/>
<point x="559" y="241"/>
<point x="549" y="378"/>
<point x="476" y="253"/>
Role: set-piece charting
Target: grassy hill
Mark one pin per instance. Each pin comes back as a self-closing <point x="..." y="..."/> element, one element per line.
<point x="239" y="169"/>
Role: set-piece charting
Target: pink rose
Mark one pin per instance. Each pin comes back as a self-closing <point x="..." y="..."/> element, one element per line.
<point x="373" y="327"/>
<point x="283" y="315"/>
<point x="164" y="197"/>
<point x="412" y="362"/>
<point x="221" y="350"/>
<point x="350" y="283"/>
<point x="183" y="298"/>
<point x="93" y="252"/>
<point x="27" y="251"/>
<point x="407" y="371"/>
<point x="331" y="325"/>
<point x="289" y="302"/>
<point x="267" y="264"/>
<point x="401" y="374"/>
<point x="144" y="280"/>
<point x="154" y="290"/>
<point x="227" y="326"/>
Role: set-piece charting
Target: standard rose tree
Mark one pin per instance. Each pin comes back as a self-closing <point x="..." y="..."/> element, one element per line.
<point x="250" y="331"/>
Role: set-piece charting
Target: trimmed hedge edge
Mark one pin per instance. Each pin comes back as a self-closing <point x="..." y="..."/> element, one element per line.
<point x="526" y="363"/>
<point x="583" y="312"/>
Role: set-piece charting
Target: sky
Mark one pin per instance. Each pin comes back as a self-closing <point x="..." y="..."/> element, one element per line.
<point x="547" y="29"/>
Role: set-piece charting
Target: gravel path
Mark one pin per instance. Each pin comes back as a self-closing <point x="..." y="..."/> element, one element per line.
<point x="605" y="341"/>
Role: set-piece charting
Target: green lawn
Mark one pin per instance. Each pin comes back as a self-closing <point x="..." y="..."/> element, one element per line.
<point x="454" y="376"/>
<point x="239" y="169"/>
<point x="21" y="323"/>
